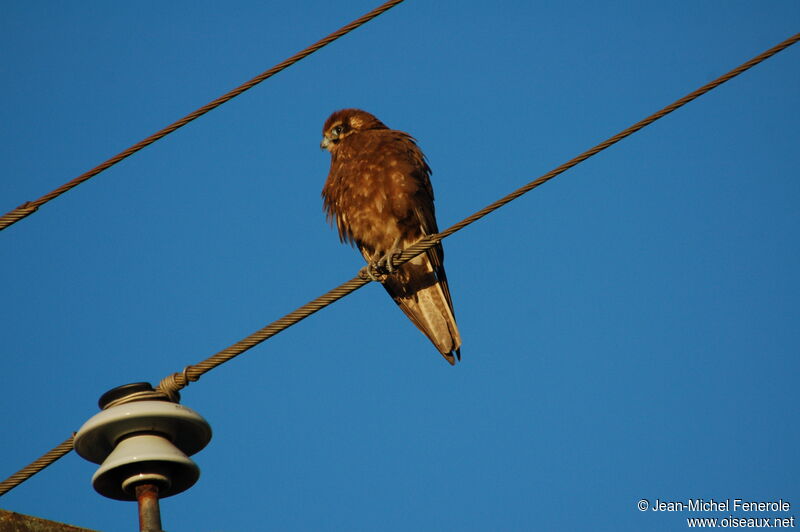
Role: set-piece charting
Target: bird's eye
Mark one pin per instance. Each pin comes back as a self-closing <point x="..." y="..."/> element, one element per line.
<point x="337" y="130"/>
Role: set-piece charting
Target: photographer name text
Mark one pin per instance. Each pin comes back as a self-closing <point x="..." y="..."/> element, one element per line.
<point x="721" y="505"/>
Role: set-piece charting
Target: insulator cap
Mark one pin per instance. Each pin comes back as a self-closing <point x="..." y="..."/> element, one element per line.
<point x="143" y="441"/>
<point x="121" y="391"/>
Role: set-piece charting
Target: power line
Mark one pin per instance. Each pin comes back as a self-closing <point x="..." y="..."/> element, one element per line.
<point x="30" y="207"/>
<point x="177" y="381"/>
<point x="37" y="465"/>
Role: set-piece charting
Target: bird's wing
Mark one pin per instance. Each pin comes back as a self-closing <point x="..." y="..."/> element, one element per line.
<point x="420" y="286"/>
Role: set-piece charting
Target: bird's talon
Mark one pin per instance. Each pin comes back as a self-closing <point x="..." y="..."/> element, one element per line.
<point x="373" y="272"/>
<point x="389" y="258"/>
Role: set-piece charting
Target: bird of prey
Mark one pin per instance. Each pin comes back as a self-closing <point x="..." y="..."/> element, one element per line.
<point x="379" y="193"/>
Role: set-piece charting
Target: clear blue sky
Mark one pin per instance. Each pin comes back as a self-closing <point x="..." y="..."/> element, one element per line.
<point x="630" y="329"/>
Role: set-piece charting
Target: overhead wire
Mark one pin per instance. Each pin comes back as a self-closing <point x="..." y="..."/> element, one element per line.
<point x="37" y="465"/>
<point x="176" y="381"/>
<point x="29" y="207"/>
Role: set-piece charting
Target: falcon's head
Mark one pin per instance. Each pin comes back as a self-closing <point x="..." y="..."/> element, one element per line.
<point x="344" y="123"/>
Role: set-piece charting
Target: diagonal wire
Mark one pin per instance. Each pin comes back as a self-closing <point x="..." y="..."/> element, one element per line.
<point x="37" y="465"/>
<point x="30" y="207"/>
<point x="177" y="381"/>
<point x="172" y="383"/>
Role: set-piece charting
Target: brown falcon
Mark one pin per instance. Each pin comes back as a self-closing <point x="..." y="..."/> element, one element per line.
<point x="379" y="193"/>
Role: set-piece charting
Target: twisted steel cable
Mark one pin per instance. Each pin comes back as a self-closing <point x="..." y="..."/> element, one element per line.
<point x="30" y="207"/>
<point x="178" y="381"/>
<point x="37" y="465"/>
<point x="175" y="382"/>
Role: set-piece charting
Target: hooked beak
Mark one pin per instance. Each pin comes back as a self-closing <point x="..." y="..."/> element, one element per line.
<point x="326" y="142"/>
